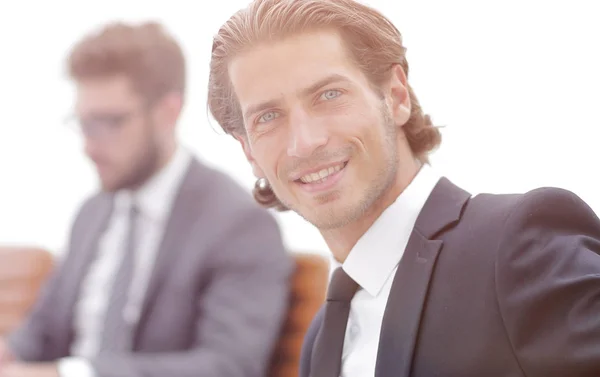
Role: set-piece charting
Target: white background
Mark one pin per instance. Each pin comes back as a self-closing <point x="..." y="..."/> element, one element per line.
<point x="515" y="83"/>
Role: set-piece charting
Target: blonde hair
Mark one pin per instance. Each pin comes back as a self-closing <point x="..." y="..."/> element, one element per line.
<point x="145" y="53"/>
<point x="373" y="41"/>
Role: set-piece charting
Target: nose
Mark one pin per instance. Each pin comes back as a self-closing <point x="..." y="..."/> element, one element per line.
<point x="306" y="135"/>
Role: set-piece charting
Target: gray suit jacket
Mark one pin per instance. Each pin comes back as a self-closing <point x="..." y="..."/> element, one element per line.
<point x="215" y="302"/>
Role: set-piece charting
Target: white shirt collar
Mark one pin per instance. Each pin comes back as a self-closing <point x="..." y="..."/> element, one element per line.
<point x="156" y="196"/>
<point x="377" y="253"/>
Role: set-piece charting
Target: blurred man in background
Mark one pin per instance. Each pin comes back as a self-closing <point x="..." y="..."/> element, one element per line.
<point x="172" y="269"/>
<point x="433" y="282"/>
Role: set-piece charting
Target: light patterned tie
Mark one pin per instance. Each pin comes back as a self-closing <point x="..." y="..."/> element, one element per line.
<point x="117" y="333"/>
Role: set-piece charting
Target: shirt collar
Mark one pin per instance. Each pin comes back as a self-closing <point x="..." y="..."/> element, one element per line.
<point x="156" y="196"/>
<point x="377" y="253"/>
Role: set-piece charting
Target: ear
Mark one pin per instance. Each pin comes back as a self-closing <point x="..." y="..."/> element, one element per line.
<point x="399" y="96"/>
<point x="258" y="173"/>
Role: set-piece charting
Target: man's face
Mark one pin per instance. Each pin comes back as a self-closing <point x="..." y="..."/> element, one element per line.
<point x="316" y="129"/>
<point x="118" y="129"/>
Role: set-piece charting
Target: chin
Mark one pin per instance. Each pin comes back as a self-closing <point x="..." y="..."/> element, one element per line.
<point x="328" y="215"/>
<point x="110" y="185"/>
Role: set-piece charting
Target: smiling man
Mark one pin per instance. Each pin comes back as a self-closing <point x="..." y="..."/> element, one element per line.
<point x="433" y="281"/>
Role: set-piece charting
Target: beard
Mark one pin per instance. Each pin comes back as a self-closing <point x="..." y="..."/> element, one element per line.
<point x="146" y="165"/>
<point x="140" y="169"/>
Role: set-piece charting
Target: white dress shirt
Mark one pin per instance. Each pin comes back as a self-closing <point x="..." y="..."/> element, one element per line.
<point x="372" y="263"/>
<point x="154" y="201"/>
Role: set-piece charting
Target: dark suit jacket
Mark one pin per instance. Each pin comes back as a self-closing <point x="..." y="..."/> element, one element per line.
<point x="496" y="285"/>
<point x="215" y="301"/>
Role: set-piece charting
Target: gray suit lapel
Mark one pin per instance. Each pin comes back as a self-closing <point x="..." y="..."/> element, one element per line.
<point x="83" y="250"/>
<point x="177" y="231"/>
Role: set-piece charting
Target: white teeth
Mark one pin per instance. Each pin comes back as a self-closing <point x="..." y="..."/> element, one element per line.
<point x="321" y="175"/>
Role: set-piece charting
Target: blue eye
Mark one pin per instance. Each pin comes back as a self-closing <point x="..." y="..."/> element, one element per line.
<point x="267" y="117"/>
<point x="330" y="94"/>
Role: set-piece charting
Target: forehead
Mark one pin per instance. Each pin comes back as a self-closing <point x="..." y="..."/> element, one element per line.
<point x="110" y="92"/>
<point x="282" y="68"/>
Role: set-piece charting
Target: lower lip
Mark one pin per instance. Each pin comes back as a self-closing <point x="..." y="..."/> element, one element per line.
<point x="328" y="184"/>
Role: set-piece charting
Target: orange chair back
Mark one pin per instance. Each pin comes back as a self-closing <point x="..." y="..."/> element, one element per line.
<point x="22" y="273"/>
<point x="309" y="287"/>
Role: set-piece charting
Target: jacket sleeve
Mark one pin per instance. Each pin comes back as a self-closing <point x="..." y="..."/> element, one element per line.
<point x="548" y="284"/>
<point x="30" y="340"/>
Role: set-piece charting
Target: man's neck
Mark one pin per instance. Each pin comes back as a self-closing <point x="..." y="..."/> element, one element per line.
<point x="341" y="241"/>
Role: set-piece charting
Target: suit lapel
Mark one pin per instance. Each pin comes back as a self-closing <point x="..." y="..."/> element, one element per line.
<point x="83" y="253"/>
<point x="402" y="317"/>
<point x="403" y="311"/>
<point x="177" y="230"/>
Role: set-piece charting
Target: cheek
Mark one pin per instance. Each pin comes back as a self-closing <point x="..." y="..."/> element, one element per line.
<point x="264" y="156"/>
<point x="123" y="156"/>
<point x="140" y="135"/>
<point x="360" y="128"/>
<point x="130" y="146"/>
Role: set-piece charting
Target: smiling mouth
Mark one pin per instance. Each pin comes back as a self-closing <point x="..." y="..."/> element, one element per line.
<point x="322" y="175"/>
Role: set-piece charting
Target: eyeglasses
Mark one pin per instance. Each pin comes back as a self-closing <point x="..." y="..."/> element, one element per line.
<point x="100" y="125"/>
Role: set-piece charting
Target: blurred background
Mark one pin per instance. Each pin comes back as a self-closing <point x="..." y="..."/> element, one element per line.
<point x="514" y="83"/>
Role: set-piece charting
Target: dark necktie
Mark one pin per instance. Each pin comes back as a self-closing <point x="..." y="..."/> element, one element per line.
<point x="327" y="350"/>
<point x="116" y="335"/>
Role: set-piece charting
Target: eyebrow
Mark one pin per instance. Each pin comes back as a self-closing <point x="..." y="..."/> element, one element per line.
<point x="323" y="82"/>
<point x="333" y="78"/>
